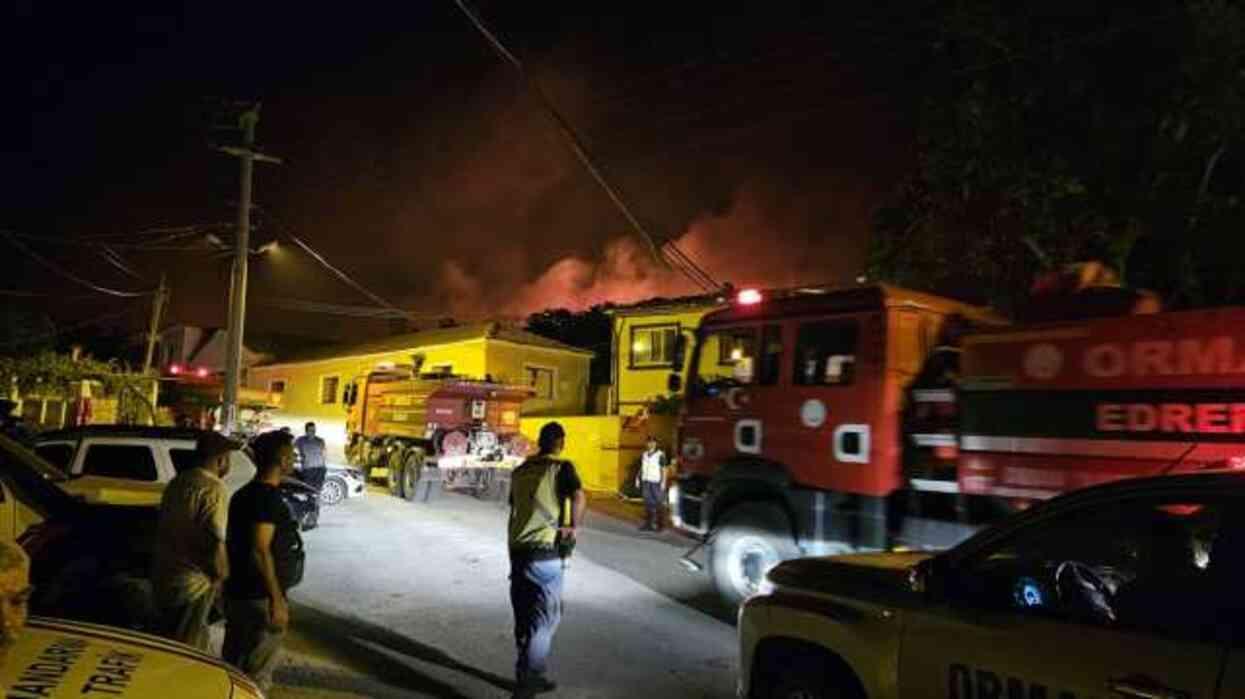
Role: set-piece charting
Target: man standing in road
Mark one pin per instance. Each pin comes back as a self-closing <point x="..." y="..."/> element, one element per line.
<point x="190" y="560"/>
<point x="542" y="489"/>
<point x="14" y="594"/>
<point x="310" y="450"/>
<point x="265" y="559"/>
<point x="652" y="482"/>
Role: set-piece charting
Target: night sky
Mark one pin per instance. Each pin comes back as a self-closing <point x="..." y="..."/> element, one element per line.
<point x="416" y="161"/>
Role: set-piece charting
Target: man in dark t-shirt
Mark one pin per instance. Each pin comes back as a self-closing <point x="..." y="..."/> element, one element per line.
<point x="261" y="528"/>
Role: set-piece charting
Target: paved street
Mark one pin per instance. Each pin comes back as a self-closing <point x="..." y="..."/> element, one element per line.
<point x="406" y="599"/>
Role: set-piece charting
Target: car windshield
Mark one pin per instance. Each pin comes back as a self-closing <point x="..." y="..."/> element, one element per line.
<point x="25" y="457"/>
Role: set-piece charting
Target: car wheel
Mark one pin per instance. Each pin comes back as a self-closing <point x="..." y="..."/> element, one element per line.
<point x="412" y="470"/>
<point x="333" y="491"/>
<point x="807" y="682"/>
<point x="311" y="519"/>
<point x="395" y="473"/>
<point x="748" y="541"/>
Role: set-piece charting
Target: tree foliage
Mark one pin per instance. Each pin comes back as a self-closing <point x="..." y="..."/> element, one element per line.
<point x="49" y="373"/>
<point x="592" y="330"/>
<point x="1061" y="131"/>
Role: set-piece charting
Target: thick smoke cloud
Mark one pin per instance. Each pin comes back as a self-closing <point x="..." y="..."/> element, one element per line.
<point x="765" y="238"/>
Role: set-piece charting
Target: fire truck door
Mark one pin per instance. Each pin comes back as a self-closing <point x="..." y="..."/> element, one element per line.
<point x="821" y="424"/>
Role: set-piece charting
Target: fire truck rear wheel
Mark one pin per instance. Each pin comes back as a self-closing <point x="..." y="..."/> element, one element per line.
<point x="748" y="541"/>
<point x="394" y="477"/>
<point x="412" y="469"/>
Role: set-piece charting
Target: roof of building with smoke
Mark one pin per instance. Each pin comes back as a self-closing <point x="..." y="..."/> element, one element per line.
<point x="492" y="330"/>
<point x="664" y="304"/>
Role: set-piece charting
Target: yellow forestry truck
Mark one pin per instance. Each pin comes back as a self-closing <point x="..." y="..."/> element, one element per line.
<point x="414" y="429"/>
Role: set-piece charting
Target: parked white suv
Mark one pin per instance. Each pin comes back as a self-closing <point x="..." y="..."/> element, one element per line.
<point x="124" y="465"/>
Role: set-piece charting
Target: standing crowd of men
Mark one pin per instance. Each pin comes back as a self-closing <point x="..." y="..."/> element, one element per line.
<point x="244" y="552"/>
<point x="241" y="553"/>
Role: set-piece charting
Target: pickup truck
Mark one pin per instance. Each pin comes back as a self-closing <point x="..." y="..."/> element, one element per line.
<point x="1130" y="589"/>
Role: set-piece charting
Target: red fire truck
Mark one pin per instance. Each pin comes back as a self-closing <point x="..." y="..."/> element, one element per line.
<point x="814" y="423"/>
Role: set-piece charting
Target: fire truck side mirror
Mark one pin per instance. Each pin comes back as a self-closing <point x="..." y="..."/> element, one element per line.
<point x="674" y="383"/>
<point x="679" y="351"/>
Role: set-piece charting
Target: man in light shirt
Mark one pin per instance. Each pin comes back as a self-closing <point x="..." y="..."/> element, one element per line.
<point x="191" y="561"/>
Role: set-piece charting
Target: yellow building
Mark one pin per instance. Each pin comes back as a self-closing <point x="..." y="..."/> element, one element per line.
<point x="311" y="384"/>
<point x="606" y="448"/>
<point x="644" y="336"/>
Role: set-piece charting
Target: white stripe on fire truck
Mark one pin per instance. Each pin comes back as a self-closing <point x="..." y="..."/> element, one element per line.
<point x="934" y="395"/>
<point x="935" y="439"/>
<point x="930" y="485"/>
<point x="1104" y="448"/>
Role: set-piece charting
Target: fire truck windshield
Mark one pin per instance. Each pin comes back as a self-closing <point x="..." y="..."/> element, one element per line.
<point x="723" y="358"/>
<point x="736" y="356"/>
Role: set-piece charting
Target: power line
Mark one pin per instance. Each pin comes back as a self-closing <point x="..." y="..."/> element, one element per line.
<point x="345" y="277"/>
<point x="580" y="150"/>
<point x="44" y="295"/>
<point x="66" y="273"/>
<point x="116" y="261"/>
<point x="370" y="312"/>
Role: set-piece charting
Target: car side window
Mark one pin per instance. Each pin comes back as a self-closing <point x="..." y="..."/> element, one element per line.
<point x="825" y="353"/>
<point x="183" y="459"/>
<point x="129" y="461"/>
<point x="59" y="455"/>
<point x="1152" y="565"/>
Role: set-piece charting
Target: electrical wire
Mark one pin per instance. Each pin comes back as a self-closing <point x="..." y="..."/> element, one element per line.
<point x="70" y="275"/>
<point x="345" y="277"/>
<point x="307" y="306"/>
<point x="116" y="261"/>
<point x="582" y="154"/>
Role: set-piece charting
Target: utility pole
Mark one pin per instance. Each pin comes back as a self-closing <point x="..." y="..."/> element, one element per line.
<point x="153" y="332"/>
<point x="158" y="304"/>
<point x="242" y="249"/>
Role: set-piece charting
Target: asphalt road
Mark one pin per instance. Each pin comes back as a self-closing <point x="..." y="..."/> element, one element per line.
<point x="403" y="600"/>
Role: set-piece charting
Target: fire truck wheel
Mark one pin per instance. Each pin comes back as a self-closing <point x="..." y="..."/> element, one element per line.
<point x="748" y="541"/>
<point x="412" y="469"/>
<point x="394" y="477"/>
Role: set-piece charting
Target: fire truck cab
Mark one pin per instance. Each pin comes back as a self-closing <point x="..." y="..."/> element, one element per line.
<point x="791" y="439"/>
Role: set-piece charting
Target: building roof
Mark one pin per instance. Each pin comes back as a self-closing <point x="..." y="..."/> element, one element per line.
<point x="428" y="338"/>
<point x="661" y="304"/>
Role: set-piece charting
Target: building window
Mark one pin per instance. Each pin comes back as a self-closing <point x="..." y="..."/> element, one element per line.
<point x="276" y="386"/>
<point x="328" y="389"/>
<point x="652" y="346"/>
<point x="541" y="379"/>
